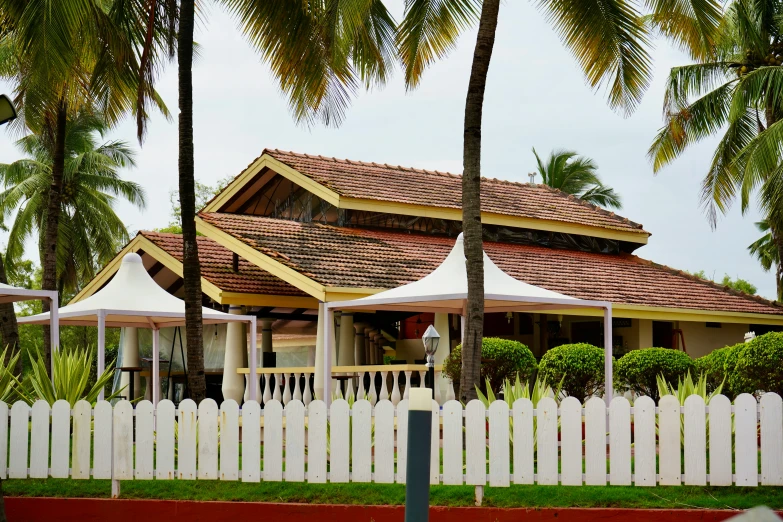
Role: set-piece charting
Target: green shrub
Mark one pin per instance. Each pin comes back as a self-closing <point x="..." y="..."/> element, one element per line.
<point x="717" y="366"/>
<point x="638" y="370"/>
<point x="759" y="366"/>
<point x="501" y="359"/>
<point x="580" y="367"/>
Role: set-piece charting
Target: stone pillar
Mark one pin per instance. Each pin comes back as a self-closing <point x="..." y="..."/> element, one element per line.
<point x="130" y="357"/>
<point x="235" y="357"/>
<point x="359" y="355"/>
<point x="346" y="345"/>
<point x="318" y="381"/>
<point x="444" y="347"/>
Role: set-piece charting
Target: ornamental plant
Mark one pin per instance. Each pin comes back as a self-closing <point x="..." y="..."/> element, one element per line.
<point x="578" y="367"/>
<point x="759" y="366"/>
<point x="717" y="366"/>
<point x="638" y="370"/>
<point x="501" y="359"/>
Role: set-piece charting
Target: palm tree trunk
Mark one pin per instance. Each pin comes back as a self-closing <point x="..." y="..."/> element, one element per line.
<point x="471" y="201"/>
<point x="187" y="198"/>
<point x="53" y="221"/>
<point x="9" y="329"/>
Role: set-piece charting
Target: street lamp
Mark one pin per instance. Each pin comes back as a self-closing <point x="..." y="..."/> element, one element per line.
<point x="7" y="110"/>
<point x="431" y="338"/>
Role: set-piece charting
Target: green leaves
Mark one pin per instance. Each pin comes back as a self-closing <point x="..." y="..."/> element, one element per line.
<point x="638" y="370"/>
<point x="758" y="367"/>
<point x="578" y="367"/>
<point x="572" y="174"/>
<point x="500" y="359"/>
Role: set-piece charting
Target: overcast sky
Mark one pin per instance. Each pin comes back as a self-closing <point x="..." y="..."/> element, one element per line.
<point x="536" y="97"/>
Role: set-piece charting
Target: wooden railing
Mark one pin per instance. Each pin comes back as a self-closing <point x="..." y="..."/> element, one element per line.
<point x="375" y="383"/>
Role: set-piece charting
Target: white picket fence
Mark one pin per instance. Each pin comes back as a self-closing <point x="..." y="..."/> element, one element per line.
<point x="476" y="446"/>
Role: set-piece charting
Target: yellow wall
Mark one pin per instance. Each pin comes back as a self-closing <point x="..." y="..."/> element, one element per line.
<point x="700" y="340"/>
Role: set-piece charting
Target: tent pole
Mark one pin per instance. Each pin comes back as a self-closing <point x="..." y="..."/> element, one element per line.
<point x="155" y="365"/>
<point x="327" y="360"/>
<point x="101" y="347"/>
<point x="253" y="361"/>
<point x="609" y="384"/>
<point x="54" y="322"/>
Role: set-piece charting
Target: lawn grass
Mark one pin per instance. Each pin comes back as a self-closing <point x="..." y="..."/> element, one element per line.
<point x="394" y="494"/>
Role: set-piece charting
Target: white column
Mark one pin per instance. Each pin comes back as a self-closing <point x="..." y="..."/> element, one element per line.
<point x="101" y="347"/>
<point x="609" y="385"/>
<point x="155" y="366"/>
<point x="444" y="347"/>
<point x="328" y="353"/>
<point x="130" y="357"/>
<point x="318" y="384"/>
<point x="266" y="346"/>
<point x="358" y="351"/>
<point x="345" y="357"/>
<point x="255" y="391"/>
<point x="235" y="357"/>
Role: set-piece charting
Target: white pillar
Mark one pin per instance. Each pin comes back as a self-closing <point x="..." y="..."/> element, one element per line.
<point x="101" y="347"/>
<point x="359" y="356"/>
<point x="444" y="347"/>
<point x="609" y="385"/>
<point x="130" y="358"/>
<point x="266" y="347"/>
<point x="327" y="353"/>
<point x="255" y="391"/>
<point x="346" y="345"/>
<point x="318" y="385"/>
<point x="235" y="357"/>
<point x="155" y="366"/>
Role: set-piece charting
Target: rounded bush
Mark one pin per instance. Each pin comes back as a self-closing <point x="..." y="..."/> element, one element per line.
<point x="500" y="359"/>
<point x="580" y="367"/>
<point x="759" y="367"/>
<point x="717" y="366"/>
<point x="638" y="370"/>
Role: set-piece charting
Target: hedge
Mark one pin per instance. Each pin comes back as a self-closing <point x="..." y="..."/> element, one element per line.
<point x="501" y="359"/>
<point x="759" y="366"/>
<point x="718" y="366"/>
<point x="580" y="367"/>
<point x="637" y="371"/>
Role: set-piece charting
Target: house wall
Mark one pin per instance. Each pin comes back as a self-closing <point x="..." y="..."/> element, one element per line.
<point x="700" y="340"/>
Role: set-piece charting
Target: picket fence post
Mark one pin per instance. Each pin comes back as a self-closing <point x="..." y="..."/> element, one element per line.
<point x="452" y="443"/>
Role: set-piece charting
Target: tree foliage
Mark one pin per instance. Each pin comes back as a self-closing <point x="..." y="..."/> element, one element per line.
<point x="502" y="359"/>
<point x="578" y="367"/>
<point x="758" y="367"/>
<point x="638" y="370"/>
<point x="576" y="175"/>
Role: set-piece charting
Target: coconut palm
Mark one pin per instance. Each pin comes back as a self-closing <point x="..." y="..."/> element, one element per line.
<point x="736" y="95"/>
<point x="576" y="175"/>
<point x="65" y="57"/>
<point x="766" y="252"/>
<point x="90" y="232"/>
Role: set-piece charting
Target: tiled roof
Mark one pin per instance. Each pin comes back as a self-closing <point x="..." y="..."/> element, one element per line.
<point x="397" y="184"/>
<point x="361" y="258"/>
<point x="216" y="267"/>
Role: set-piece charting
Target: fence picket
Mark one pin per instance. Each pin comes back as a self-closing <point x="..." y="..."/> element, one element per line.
<point x="475" y="444"/>
<point x="571" y="442"/>
<point x="620" y="442"/>
<point x="145" y="441"/>
<point x="229" y="440"/>
<point x="384" y="442"/>
<point x="186" y="440"/>
<point x="771" y="440"/>
<point x="402" y="440"/>
<point x="3" y="440"/>
<point x="452" y="443"/>
<point x="61" y="439"/>
<point x="524" y="438"/>
<point x="251" y="441"/>
<point x="720" y="441"/>
<point x="82" y="428"/>
<point x="103" y="420"/>
<point x="595" y="442"/>
<point x="273" y="441"/>
<point x="499" y="462"/>
<point x="316" y="442"/>
<point x="39" y="440"/>
<point x="207" y="439"/>
<point x="18" y="461"/>
<point x="122" y="446"/>
<point x="294" y="441"/>
<point x="546" y="444"/>
<point x="435" y="445"/>
<point x="164" y="440"/>
<point x="695" y="430"/>
<point x="746" y="440"/>
<point x="339" y="442"/>
<point x="361" y="442"/>
<point x="644" y="457"/>
<point x="669" y="441"/>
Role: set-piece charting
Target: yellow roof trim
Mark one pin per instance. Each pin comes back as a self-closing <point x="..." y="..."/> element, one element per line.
<point x="279" y="301"/>
<point x="628" y="311"/>
<point x="454" y="214"/>
<point x="277" y="269"/>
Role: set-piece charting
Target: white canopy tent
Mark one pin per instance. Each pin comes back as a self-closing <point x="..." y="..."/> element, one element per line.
<point x="133" y="298"/>
<point x="12" y="294"/>
<point x="445" y="290"/>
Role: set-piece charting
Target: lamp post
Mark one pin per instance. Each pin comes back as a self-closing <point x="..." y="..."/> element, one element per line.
<point x="431" y="338"/>
<point x="7" y="110"/>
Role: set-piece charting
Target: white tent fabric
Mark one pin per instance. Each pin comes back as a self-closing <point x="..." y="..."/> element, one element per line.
<point x="133" y="298"/>
<point x="445" y="290"/>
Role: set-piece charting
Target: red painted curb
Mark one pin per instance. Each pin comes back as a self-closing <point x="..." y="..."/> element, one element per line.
<point x="30" y="509"/>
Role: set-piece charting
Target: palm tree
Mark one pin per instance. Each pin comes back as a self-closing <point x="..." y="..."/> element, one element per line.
<point x="734" y="94"/>
<point x="576" y="175"/>
<point x="766" y="252"/>
<point x="66" y="57"/>
<point x="609" y="39"/>
<point x="90" y="230"/>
